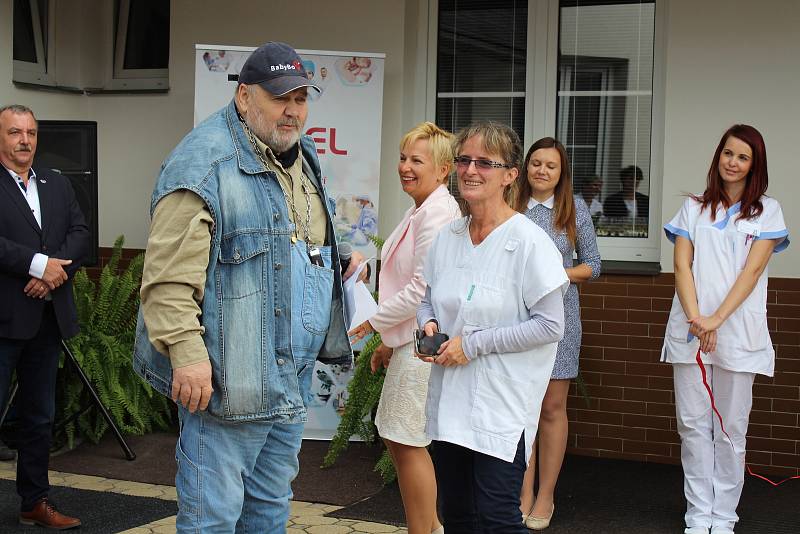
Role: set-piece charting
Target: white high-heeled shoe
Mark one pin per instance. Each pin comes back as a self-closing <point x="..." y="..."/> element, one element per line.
<point x="539" y="523"/>
<point x="695" y="530"/>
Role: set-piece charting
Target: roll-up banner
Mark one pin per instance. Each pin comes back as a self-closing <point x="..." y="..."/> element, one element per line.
<point x="345" y="123"/>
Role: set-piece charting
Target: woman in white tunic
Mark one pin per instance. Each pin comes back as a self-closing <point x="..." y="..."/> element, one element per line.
<point x="426" y="158"/>
<point x="496" y="287"/>
<point x="717" y="328"/>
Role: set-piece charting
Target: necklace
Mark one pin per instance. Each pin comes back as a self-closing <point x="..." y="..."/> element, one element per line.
<point x="306" y="225"/>
<point x="313" y="251"/>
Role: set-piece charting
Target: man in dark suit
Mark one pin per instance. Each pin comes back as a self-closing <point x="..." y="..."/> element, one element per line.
<point x="628" y="202"/>
<point x="43" y="238"/>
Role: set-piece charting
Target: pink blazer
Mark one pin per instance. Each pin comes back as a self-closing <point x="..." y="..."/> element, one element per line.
<point x="402" y="284"/>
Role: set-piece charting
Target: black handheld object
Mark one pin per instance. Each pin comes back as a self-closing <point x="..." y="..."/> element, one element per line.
<point x="315" y="256"/>
<point x="428" y="345"/>
<point x="345" y="254"/>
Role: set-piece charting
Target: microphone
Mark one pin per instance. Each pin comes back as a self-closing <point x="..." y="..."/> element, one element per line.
<point x="345" y="254"/>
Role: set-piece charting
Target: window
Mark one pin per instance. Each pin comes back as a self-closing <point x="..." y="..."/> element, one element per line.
<point x="120" y="45"/>
<point x="31" y="39"/>
<point x="584" y="71"/>
<point x="604" y="107"/>
<point x="141" y="52"/>
<point x="481" y="62"/>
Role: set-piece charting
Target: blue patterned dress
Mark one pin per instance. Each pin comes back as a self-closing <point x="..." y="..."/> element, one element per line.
<point x="566" y="365"/>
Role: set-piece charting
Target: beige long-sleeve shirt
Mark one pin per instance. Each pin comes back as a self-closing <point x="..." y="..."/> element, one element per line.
<point x="174" y="276"/>
<point x="177" y="258"/>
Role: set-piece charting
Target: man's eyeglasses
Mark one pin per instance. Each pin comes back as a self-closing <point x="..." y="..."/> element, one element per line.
<point x="462" y="162"/>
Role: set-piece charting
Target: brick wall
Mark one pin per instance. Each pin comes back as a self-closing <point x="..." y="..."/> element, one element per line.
<point x="631" y="413"/>
<point x="104" y="254"/>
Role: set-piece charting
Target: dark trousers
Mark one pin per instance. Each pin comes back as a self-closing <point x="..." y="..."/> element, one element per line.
<point x="479" y="493"/>
<point x="36" y="363"/>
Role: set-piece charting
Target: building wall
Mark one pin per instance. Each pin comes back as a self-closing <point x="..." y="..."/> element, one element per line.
<point x="732" y="61"/>
<point x="136" y="131"/>
<point x="628" y="410"/>
<point x="726" y="62"/>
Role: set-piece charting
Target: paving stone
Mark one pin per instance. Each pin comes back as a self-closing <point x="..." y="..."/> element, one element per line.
<point x="373" y="527"/>
<point x="144" y="492"/>
<point x="164" y="529"/>
<point x="311" y="520"/>
<point x="170" y="493"/>
<point x="305" y="517"/>
<point x="82" y="479"/>
<point x="330" y="508"/>
<point x="329" y="529"/>
<point x="313" y="509"/>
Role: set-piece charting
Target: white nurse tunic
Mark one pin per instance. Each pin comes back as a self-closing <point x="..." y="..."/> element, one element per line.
<point x="721" y="247"/>
<point x="486" y="404"/>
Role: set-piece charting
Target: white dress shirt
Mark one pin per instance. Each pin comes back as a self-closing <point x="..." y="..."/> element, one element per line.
<point x="532" y="202"/>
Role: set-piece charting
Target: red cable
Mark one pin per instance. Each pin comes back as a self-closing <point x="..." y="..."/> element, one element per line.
<point x="722" y="426"/>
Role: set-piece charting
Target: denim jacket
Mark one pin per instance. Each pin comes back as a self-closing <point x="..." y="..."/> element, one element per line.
<point x="247" y="308"/>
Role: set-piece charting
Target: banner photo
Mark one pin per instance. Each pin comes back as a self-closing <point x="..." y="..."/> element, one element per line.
<point x="345" y="123"/>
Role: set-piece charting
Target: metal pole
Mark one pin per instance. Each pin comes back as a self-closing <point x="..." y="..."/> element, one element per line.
<point x="11" y="396"/>
<point x="129" y="454"/>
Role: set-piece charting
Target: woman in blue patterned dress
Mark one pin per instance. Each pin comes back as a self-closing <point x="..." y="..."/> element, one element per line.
<point x="546" y="198"/>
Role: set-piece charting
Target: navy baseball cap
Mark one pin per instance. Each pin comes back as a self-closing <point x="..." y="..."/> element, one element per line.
<point x="277" y="68"/>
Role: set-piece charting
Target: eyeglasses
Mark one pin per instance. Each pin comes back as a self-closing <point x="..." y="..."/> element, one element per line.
<point x="462" y="162"/>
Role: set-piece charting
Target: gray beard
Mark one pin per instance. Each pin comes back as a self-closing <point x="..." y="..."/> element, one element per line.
<point x="280" y="143"/>
<point x="277" y="142"/>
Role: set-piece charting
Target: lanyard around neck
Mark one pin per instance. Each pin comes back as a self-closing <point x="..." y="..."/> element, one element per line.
<point x="305" y="225"/>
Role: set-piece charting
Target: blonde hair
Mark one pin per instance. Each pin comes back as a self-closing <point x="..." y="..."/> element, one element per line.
<point x="440" y="144"/>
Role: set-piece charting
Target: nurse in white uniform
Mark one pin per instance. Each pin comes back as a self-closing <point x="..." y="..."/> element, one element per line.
<point x="723" y="240"/>
<point x="495" y="285"/>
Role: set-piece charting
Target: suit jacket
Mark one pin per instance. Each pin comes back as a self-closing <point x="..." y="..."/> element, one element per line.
<point x="614" y="206"/>
<point x="63" y="235"/>
<point x="401" y="284"/>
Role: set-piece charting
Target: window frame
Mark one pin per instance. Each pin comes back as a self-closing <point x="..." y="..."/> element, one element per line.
<point x="42" y="71"/>
<point x="541" y="94"/>
<point x="132" y="79"/>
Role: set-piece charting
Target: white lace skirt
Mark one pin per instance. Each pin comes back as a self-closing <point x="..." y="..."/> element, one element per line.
<point x="401" y="410"/>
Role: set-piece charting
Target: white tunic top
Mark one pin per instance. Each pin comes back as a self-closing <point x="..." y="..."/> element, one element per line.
<point x="720" y="251"/>
<point x="486" y="404"/>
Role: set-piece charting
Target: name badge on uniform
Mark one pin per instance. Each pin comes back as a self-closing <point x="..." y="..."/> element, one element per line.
<point x="749" y="228"/>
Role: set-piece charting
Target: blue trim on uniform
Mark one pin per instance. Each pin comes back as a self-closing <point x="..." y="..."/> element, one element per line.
<point x="673" y="232"/>
<point x="776" y="235"/>
<point x="733" y="210"/>
<point x="772" y="235"/>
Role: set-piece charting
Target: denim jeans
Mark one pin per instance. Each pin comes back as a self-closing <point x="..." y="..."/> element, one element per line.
<point x="36" y="363"/>
<point x="479" y="493"/>
<point x="234" y="477"/>
<point x="237" y="476"/>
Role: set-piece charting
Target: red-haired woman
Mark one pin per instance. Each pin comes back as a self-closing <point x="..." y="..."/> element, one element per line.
<point x="717" y="329"/>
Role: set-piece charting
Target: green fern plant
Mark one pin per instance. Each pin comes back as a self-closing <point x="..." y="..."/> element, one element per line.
<point x="107" y="316"/>
<point x="364" y="393"/>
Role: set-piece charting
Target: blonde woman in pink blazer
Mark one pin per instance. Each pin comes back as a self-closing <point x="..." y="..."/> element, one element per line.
<point x="426" y="158"/>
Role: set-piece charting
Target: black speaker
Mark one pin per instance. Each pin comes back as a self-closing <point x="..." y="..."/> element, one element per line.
<point x="70" y="148"/>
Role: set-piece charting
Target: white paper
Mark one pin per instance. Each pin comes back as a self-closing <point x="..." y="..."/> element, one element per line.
<point x="359" y="303"/>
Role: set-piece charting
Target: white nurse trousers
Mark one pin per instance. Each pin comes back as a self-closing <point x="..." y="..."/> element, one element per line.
<point x="713" y="470"/>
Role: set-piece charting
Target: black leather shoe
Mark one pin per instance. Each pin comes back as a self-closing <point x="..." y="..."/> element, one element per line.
<point x="6" y="454"/>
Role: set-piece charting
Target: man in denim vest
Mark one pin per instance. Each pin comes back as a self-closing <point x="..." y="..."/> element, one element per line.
<point x="241" y="294"/>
